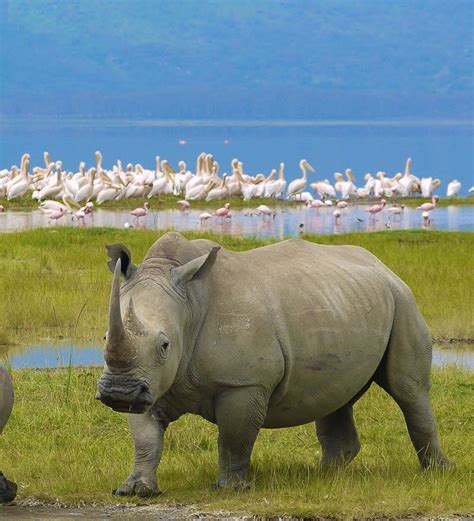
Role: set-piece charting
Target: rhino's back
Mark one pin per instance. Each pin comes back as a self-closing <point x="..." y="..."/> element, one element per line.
<point x="309" y="321"/>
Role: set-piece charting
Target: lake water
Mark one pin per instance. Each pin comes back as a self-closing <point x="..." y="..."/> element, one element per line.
<point x="50" y="356"/>
<point x="287" y="221"/>
<point x="442" y="149"/>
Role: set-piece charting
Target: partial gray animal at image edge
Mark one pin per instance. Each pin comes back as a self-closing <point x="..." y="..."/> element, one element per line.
<point x="278" y="336"/>
<point x="7" y="488"/>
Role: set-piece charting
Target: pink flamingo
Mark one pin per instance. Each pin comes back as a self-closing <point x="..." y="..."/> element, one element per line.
<point x="315" y="203"/>
<point x="55" y="216"/>
<point x="376" y="208"/>
<point x="426" y="207"/>
<point x="205" y="216"/>
<point x="140" y="212"/>
<point x="183" y="205"/>
<point x="223" y="212"/>
<point x="263" y="209"/>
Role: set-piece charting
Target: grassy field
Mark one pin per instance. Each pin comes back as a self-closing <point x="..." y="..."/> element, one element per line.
<point x="55" y="283"/>
<point x="62" y="444"/>
<point x="169" y="201"/>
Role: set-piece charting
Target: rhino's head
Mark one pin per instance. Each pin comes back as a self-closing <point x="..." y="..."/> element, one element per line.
<point x="150" y="324"/>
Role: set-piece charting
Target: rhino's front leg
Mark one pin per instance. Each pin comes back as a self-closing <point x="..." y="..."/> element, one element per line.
<point x="147" y="433"/>
<point x="240" y="414"/>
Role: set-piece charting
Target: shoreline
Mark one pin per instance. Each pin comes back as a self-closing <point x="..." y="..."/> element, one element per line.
<point x="35" y="508"/>
<point x="168" y="202"/>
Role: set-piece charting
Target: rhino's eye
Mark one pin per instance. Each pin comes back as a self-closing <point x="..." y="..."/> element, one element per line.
<point x="164" y="344"/>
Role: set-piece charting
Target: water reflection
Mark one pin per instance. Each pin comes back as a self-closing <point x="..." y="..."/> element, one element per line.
<point x="287" y="221"/>
<point x="49" y="356"/>
<point x="65" y="355"/>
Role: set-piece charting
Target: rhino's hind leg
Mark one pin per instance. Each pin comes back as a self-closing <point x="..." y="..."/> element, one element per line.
<point x="147" y="435"/>
<point x="414" y="402"/>
<point x="338" y="437"/>
<point x="405" y="375"/>
<point x="240" y="414"/>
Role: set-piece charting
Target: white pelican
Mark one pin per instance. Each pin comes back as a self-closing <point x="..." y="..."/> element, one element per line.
<point x="85" y="193"/>
<point x="20" y="188"/>
<point x="324" y="189"/>
<point x="51" y="191"/>
<point x="299" y="185"/>
<point x="407" y="180"/>
<point x="453" y="188"/>
<point x="219" y="192"/>
<point x="108" y="193"/>
<point x="280" y="187"/>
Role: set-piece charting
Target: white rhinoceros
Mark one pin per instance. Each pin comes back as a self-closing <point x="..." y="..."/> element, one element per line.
<point x="278" y="336"/>
<point x="7" y="488"/>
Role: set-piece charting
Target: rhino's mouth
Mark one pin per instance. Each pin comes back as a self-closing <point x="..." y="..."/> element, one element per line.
<point x="124" y="394"/>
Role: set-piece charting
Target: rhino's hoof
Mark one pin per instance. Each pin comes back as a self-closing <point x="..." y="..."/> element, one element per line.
<point x="231" y="485"/>
<point x="442" y="463"/>
<point x="7" y="489"/>
<point x="137" y="488"/>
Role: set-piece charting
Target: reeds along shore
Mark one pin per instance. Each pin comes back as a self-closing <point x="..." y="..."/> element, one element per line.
<point x="55" y="283"/>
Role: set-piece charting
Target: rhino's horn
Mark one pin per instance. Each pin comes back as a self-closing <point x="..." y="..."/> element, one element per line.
<point x="132" y="322"/>
<point x="119" y="350"/>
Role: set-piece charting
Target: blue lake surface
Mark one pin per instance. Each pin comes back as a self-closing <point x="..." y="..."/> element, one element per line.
<point x="444" y="150"/>
<point x="288" y="221"/>
<point x="52" y="356"/>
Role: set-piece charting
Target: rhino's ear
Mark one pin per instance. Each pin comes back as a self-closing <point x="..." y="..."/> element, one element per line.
<point x="119" y="251"/>
<point x="197" y="269"/>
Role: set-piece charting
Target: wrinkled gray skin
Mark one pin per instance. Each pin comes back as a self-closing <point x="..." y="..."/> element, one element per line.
<point x="278" y="336"/>
<point x="7" y="488"/>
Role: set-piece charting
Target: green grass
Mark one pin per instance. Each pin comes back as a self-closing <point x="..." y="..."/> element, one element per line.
<point x="165" y="202"/>
<point x="62" y="444"/>
<point x="55" y="283"/>
<point x="443" y="201"/>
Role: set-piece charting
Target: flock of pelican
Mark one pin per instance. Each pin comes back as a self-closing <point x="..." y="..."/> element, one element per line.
<point x="51" y="183"/>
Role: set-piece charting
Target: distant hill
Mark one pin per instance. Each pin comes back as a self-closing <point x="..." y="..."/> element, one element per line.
<point x="237" y="58"/>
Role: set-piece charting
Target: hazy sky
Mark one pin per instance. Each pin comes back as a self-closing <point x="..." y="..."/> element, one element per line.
<point x="75" y="50"/>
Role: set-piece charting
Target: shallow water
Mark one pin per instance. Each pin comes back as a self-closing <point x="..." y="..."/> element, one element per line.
<point x="287" y="221"/>
<point x="65" y="355"/>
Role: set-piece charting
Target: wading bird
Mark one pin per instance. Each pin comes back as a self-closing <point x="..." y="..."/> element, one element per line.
<point x="427" y="207"/>
<point x="140" y="212"/>
<point x="377" y="208"/>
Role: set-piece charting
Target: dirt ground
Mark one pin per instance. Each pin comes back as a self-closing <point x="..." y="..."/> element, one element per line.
<point x="32" y="509"/>
<point x="28" y="509"/>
